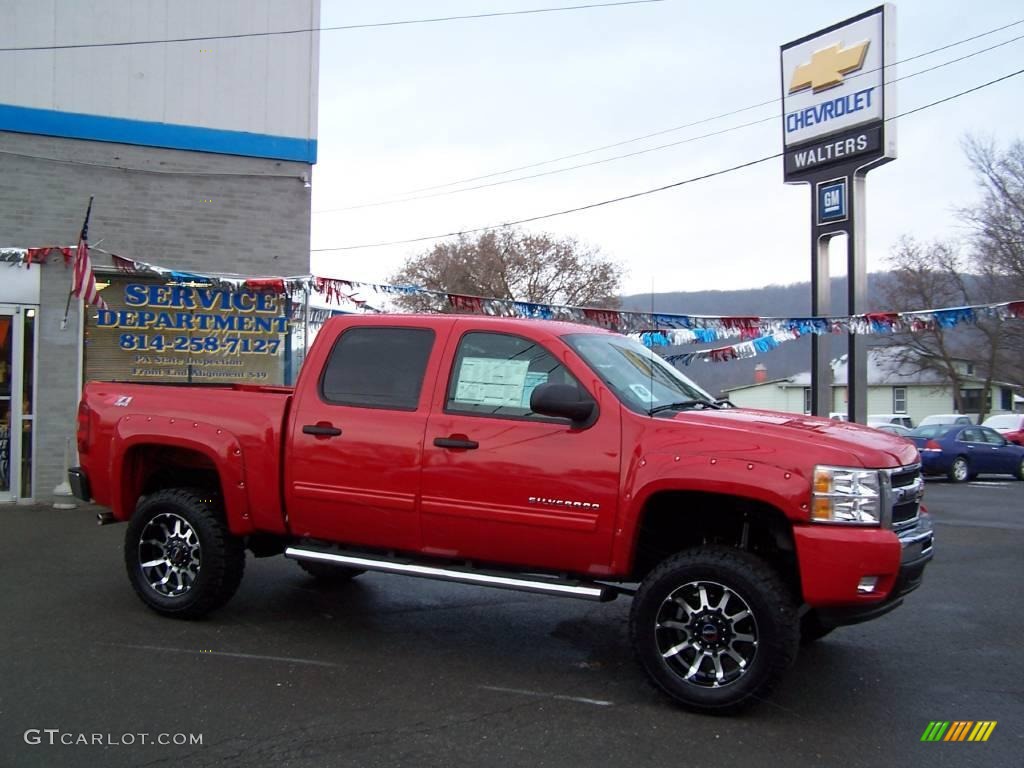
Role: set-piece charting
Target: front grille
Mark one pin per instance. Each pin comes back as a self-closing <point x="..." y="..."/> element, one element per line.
<point x="901" y="513"/>
<point x="906" y="487"/>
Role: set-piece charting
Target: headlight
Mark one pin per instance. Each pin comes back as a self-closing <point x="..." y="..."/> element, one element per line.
<point x="842" y="495"/>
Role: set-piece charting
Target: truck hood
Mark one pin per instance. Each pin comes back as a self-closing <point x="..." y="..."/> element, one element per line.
<point x="819" y="440"/>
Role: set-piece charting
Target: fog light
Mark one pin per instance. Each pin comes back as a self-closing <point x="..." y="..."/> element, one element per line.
<point x="867" y="585"/>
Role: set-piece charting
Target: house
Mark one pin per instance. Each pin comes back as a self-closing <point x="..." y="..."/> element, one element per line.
<point x="892" y="388"/>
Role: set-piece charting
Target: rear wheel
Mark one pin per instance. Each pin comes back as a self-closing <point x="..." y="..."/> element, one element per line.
<point x="181" y="558"/>
<point x="714" y="628"/>
<point x="1019" y="474"/>
<point x="329" y="574"/>
<point x="959" y="472"/>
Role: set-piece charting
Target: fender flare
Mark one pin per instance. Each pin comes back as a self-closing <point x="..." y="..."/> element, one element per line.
<point x="220" y="446"/>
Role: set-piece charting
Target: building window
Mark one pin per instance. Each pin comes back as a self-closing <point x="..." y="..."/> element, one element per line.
<point x="972" y="400"/>
<point x="899" y="399"/>
<point x="1006" y="399"/>
<point x="807" y="399"/>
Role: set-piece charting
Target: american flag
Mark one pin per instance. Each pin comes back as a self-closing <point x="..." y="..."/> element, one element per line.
<point x="83" y="281"/>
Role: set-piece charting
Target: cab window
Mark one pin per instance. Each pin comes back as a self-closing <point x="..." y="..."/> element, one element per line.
<point x="377" y="368"/>
<point x="494" y="374"/>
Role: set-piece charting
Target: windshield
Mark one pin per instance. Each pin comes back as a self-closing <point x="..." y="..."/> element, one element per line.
<point x="642" y="380"/>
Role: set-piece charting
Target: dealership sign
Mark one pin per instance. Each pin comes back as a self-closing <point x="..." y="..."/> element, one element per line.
<point x="153" y="331"/>
<point x="837" y="94"/>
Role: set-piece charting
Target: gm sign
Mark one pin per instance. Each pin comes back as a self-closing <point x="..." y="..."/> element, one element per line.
<point x="831" y="201"/>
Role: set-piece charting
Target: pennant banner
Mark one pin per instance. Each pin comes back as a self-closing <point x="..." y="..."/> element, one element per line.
<point x="756" y="335"/>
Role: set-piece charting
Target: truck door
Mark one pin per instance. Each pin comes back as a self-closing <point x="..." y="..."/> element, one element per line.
<point x="352" y="467"/>
<point x="503" y="484"/>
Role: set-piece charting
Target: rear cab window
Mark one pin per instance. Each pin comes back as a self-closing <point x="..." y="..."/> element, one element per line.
<point x="377" y="368"/>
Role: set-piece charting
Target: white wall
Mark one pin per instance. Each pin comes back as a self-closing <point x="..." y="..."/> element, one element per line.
<point x="770" y="397"/>
<point x="260" y="85"/>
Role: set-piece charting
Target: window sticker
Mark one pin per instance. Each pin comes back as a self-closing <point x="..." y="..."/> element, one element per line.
<point x="533" y="380"/>
<point x="487" y="381"/>
<point x="642" y="393"/>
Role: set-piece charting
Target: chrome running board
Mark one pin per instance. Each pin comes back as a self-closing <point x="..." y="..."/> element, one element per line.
<point x="521" y="582"/>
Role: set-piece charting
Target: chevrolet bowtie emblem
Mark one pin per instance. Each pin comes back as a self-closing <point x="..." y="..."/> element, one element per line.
<point x="827" y="67"/>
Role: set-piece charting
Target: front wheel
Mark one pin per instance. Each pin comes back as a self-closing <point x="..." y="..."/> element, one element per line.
<point x="181" y="558"/>
<point x="959" y="472"/>
<point x="714" y="628"/>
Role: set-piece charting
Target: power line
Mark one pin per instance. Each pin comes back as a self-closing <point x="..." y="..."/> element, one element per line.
<point x="702" y="121"/>
<point x="656" y="148"/>
<point x="505" y="181"/>
<point x="622" y="198"/>
<point x="550" y="173"/>
<point x="404" y="22"/>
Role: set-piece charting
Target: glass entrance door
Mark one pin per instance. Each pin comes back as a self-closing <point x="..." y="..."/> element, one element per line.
<point x="17" y="380"/>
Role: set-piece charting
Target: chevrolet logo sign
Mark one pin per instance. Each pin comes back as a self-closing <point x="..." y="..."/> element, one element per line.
<point x="827" y="67"/>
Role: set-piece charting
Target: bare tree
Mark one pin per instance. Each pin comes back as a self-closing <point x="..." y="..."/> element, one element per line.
<point x="512" y="264"/>
<point x="932" y="276"/>
<point x="997" y="237"/>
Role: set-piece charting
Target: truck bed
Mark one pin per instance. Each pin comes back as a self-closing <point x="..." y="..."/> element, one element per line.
<point x="237" y="428"/>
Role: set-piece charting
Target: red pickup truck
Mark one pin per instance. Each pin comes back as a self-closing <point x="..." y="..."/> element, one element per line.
<point x="521" y="454"/>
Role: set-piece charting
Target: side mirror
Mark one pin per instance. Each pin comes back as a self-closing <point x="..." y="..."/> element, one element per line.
<point x="563" y="400"/>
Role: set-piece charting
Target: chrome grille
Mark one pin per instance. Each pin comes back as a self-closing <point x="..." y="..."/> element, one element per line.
<point x="904" y="490"/>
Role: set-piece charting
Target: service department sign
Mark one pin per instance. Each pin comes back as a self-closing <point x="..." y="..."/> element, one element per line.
<point x="835" y="96"/>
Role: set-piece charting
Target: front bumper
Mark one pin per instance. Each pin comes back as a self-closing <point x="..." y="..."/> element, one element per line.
<point x="915" y="553"/>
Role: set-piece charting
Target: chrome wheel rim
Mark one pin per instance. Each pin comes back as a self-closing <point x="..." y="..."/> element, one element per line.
<point x="706" y="634"/>
<point x="960" y="470"/>
<point x="169" y="555"/>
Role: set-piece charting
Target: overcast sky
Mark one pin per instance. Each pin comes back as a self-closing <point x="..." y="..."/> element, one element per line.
<point x="405" y="108"/>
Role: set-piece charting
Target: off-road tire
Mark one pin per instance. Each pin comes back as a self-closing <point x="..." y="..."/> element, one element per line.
<point x="187" y="525"/>
<point x="772" y="621"/>
<point x="329" y="575"/>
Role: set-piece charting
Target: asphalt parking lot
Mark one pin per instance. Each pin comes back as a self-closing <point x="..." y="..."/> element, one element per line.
<point x="390" y="671"/>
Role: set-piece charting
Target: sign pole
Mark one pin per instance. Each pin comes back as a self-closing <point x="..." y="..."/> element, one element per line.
<point x="857" y="289"/>
<point x="837" y="98"/>
<point x="821" y="304"/>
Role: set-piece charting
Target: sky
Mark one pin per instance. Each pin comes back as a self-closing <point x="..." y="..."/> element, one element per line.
<point x="410" y="107"/>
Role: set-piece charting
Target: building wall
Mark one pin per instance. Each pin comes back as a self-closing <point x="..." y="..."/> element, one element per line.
<point x="249" y="95"/>
<point x="150" y="206"/>
<point x="770" y="397"/>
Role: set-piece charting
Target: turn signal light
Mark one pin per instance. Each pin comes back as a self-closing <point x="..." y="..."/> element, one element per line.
<point x="822" y="509"/>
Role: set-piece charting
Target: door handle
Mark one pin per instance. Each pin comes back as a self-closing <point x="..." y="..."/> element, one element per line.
<point x="321" y="430"/>
<point x="456" y="442"/>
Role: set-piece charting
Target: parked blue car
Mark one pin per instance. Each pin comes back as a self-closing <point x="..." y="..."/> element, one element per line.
<point x="962" y="452"/>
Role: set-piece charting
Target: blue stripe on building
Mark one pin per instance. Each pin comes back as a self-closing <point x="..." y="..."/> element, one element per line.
<point x="72" y="125"/>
